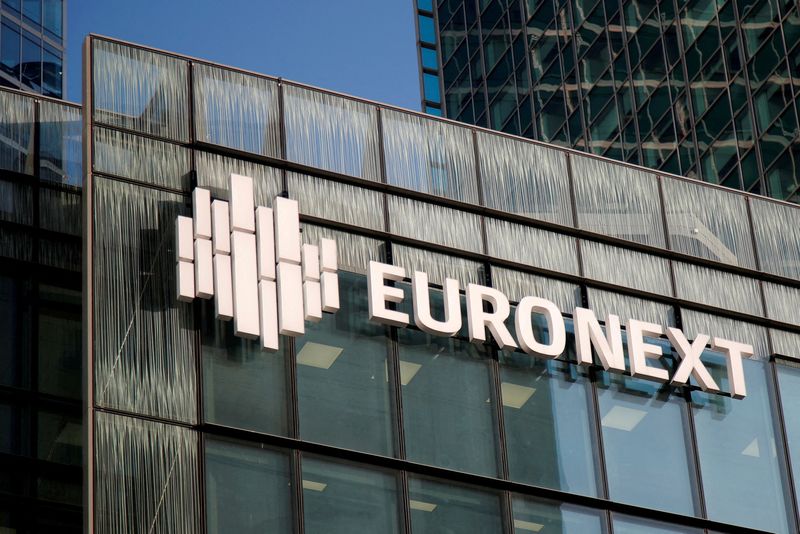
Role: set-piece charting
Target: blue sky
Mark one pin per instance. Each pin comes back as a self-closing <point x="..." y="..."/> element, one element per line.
<point x="361" y="47"/>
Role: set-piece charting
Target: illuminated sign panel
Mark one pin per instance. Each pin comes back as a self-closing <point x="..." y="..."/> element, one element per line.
<point x="251" y="261"/>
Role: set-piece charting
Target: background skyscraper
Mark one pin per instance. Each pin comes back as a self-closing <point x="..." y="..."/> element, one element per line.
<point x="706" y="89"/>
<point x="32" y="45"/>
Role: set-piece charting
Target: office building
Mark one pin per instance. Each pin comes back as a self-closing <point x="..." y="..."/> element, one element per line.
<point x="707" y="90"/>
<point x="354" y="425"/>
<point x="32" y="43"/>
<point x="40" y="314"/>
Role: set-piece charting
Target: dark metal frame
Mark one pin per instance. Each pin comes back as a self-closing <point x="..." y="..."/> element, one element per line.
<point x="400" y="464"/>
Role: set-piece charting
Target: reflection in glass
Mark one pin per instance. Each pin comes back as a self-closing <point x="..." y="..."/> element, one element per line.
<point x="60" y="158"/>
<point x="60" y="341"/>
<point x="243" y="386"/>
<point x="448" y="404"/>
<point x="740" y="469"/>
<point x="339" y="498"/>
<point x="248" y="489"/>
<point x="342" y="380"/>
<point x="16" y="133"/>
<point x="636" y="525"/>
<point x="60" y="438"/>
<point x="437" y="508"/>
<point x="550" y="516"/>
<point x="15" y="324"/>
<point x="789" y="382"/>
<point x="550" y="396"/>
<point x="10" y="50"/>
<point x="647" y="461"/>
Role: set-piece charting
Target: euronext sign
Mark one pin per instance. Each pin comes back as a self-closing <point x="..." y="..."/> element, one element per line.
<point x="251" y="260"/>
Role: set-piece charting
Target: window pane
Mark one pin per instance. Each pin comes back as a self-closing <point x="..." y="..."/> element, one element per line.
<point x="552" y="397"/>
<point x="789" y="381"/>
<point x="60" y="438"/>
<point x="15" y="321"/>
<point x="429" y="59"/>
<point x="9" y="50"/>
<point x="31" y="61"/>
<point x="427" y="33"/>
<point x="550" y="516"/>
<point x="243" y="386"/>
<point x="738" y="457"/>
<point x="647" y="461"/>
<point x="60" y="157"/>
<point x="448" y="404"/>
<point x="52" y="75"/>
<point x="32" y="9"/>
<point x="52" y="16"/>
<point x="636" y="525"/>
<point x="248" y="489"/>
<point x="342" y="382"/>
<point x="60" y="341"/>
<point x="438" y="508"/>
<point x="430" y="83"/>
<point x="339" y="498"/>
<point x="429" y="156"/>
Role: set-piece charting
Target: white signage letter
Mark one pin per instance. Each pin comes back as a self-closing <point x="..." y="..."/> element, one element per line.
<point x="689" y="354"/>
<point x="639" y="351"/>
<point x="478" y="320"/>
<point x="379" y="294"/>
<point x="588" y="333"/>
<point x="734" y="352"/>
<point x="555" y="327"/>
<point x="422" y="306"/>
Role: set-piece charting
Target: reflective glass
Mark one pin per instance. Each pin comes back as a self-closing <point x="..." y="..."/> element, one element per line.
<point x="53" y="16"/>
<point x="448" y="403"/>
<point x="31" y="62"/>
<point x="59" y="437"/>
<point x="340" y="498"/>
<point x="637" y="525"/>
<point x="429" y="60"/>
<point x="32" y="9"/>
<point x="427" y="32"/>
<point x="243" y="386"/>
<point x="437" y="508"/>
<point x="10" y="50"/>
<point x="551" y="396"/>
<point x="59" y="346"/>
<point x="550" y="516"/>
<point x="739" y="462"/>
<point x="789" y="383"/>
<point x="60" y="139"/>
<point x="647" y="457"/>
<point x="15" y="324"/>
<point x="342" y="379"/>
<point x="248" y="489"/>
<point x="52" y="75"/>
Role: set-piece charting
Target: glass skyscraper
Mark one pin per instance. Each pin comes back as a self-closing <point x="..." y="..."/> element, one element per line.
<point x="32" y="45"/>
<point x="707" y="89"/>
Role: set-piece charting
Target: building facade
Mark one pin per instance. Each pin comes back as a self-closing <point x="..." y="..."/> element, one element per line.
<point x="32" y="44"/>
<point x="41" y="435"/>
<point x="702" y="89"/>
<point x="355" y="426"/>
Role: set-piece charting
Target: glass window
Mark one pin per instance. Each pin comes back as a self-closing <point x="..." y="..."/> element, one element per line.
<point x="448" y="404"/>
<point x="429" y="60"/>
<point x="636" y="525"/>
<point x="438" y="508"/>
<point x="15" y="321"/>
<point x="248" y="489"/>
<point x="427" y="33"/>
<point x="647" y="461"/>
<point x="11" y="429"/>
<point x="31" y="64"/>
<point x="342" y="380"/>
<point x="60" y="354"/>
<point x="53" y="16"/>
<point x="32" y="9"/>
<point x="789" y="382"/>
<point x="552" y="397"/>
<point x="339" y="498"/>
<point x="243" y="386"/>
<point x="12" y="4"/>
<point x="738" y="457"/>
<point x="430" y="83"/>
<point x="550" y="516"/>
<point x="60" y="438"/>
<point x="10" y="50"/>
<point x="52" y="75"/>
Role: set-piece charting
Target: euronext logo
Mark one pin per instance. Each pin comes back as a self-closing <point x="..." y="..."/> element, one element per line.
<point x="251" y="261"/>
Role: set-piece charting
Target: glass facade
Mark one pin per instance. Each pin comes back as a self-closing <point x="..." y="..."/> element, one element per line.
<point x="702" y="89"/>
<point x="359" y="427"/>
<point x="41" y="429"/>
<point x="32" y="42"/>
